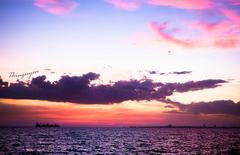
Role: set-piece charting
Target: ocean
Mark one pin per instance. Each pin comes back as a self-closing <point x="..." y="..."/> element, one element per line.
<point x="69" y="140"/>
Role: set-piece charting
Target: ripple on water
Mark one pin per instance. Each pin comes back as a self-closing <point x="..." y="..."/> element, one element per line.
<point x="119" y="141"/>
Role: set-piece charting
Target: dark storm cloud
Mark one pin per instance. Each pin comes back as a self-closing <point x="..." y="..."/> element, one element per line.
<point x="198" y="85"/>
<point x="179" y="105"/>
<point x="168" y="106"/>
<point x="79" y="89"/>
<point x="2" y="83"/>
<point x="214" y="107"/>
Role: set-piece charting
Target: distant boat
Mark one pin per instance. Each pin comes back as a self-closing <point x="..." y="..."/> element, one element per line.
<point x="170" y="126"/>
<point x="46" y="125"/>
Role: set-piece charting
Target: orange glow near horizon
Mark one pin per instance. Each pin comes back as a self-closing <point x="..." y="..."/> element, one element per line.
<point x="83" y="114"/>
<point x="28" y="112"/>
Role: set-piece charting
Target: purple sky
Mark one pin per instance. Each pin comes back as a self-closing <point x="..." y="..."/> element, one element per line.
<point x="150" y="60"/>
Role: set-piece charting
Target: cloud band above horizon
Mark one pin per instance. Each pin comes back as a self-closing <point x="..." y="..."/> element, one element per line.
<point x="79" y="89"/>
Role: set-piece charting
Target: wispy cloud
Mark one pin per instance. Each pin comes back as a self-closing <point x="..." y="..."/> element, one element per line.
<point x="232" y="15"/>
<point x="125" y="4"/>
<point x="235" y="2"/>
<point x="47" y="69"/>
<point x="185" y="4"/>
<point x="223" y="34"/>
<point x="161" y="30"/>
<point x="182" y="72"/>
<point x="168" y="73"/>
<point x="57" y="7"/>
<point x="222" y="30"/>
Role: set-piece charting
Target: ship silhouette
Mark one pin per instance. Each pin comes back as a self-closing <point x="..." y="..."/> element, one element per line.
<point x="46" y="125"/>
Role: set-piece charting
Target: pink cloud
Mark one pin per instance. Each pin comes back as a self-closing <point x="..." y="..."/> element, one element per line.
<point x="220" y="35"/>
<point x="235" y="2"/>
<point x="221" y="28"/>
<point x="184" y="4"/>
<point x="58" y="7"/>
<point x="160" y="29"/>
<point x="226" y="42"/>
<point x="209" y="27"/>
<point x="125" y="4"/>
<point x="232" y="15"/>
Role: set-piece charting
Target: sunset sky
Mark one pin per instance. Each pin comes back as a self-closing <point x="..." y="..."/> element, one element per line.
<point x="120" y="62"/>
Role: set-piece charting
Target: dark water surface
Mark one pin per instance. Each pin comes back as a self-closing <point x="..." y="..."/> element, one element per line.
<point x="119" y="141"/>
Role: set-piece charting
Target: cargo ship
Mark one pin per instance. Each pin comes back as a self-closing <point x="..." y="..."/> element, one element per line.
<point x="46" y="125"/>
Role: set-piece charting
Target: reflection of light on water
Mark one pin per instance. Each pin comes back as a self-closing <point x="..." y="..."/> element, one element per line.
<point x="119" y="140"/>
